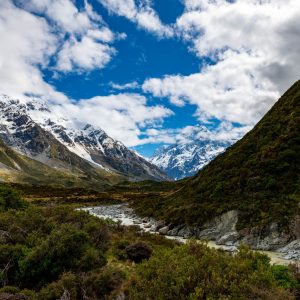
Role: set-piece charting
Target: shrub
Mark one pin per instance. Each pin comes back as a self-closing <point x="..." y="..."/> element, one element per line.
<point x="59" y="252"/>
<point x="196" y="272"/>
<point x="11" y="199"/>
<point x="138" y="251"/>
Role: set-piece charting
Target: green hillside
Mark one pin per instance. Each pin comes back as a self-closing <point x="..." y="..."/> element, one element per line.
<point x="18" y="168"/>
<point x="259" y="175"/>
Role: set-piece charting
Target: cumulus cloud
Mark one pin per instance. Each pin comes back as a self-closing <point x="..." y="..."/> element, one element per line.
<point x="84" y="37"/>
<point x="255" y="49"/>
<point x="27" y="42"/>
<point x="225" y="131"/>
<point x="123" y="116"/>
<point x="141" y="13"/>
<point x="86" y="54"/>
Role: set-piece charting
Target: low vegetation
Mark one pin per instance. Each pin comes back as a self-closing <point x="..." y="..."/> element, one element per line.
<point x="53" y="252"/>
<point x="194" y="271"/>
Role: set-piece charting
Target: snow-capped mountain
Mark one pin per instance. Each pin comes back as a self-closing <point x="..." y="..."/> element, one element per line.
<point x="186" y="158"/>
<point x="32" y="128"/>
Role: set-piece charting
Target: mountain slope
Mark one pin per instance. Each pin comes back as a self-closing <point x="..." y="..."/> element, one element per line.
<point x="31" y="128"/>
<point x="259" y="176"/>
<point x="18" y="168"/>
<point x="185" y="159"/>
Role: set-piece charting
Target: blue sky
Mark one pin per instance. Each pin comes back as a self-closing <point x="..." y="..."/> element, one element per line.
<point x="140" y="56"/>
<point x="150" y="71"/>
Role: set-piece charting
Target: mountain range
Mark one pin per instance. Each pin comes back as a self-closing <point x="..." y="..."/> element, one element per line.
<point x="32" y="129"/>
<point x="186" y="157"/>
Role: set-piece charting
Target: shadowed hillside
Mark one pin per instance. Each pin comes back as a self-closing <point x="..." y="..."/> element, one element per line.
<point x="259" y="175"/>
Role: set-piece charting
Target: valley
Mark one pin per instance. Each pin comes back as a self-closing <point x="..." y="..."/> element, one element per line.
<point x="111" y="235"/>
<point x="149" y="150"/>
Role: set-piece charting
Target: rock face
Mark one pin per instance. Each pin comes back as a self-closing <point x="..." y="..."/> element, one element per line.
<point x="291" y="250"/>
<point x="186" y="158"/>
<point x="31" y="128"/>
<point x="221" y="228"/>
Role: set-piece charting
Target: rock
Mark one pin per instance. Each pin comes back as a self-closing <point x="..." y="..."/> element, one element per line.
<point x="148" y="225"/>
<point x="270" y="237"/>
<point x="159" y="224"/>
<point x="173" y="232"/>
<point x="163" y="230"/>
<point x="220" y="226"/>
<point x="153" y="228"/>
<point x="229" y="239"/>
<point x="291" y="250"/>
<point x="185" y="232"/>
<point x="295" y="227"/>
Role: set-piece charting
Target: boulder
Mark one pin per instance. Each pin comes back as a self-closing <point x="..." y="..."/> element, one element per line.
<point x="185" y="232"/>
<point x="173" y="232"/>
<point x="159" y="224"/>
<point x="164" y="230"/>
<point x="229" y="239"/>
<point x="220" y="226"/>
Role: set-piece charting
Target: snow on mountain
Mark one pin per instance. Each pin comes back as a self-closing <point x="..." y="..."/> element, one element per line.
<point x="86" y="141"/>
<point x="185" y="158"/>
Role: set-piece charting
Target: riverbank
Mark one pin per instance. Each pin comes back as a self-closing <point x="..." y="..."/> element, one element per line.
<point x="126" y="216"/>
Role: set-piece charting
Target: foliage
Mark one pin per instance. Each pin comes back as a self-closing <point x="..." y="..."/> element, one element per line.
<point x="195" y="272"/>
<point x="138" y="251"/>
<point x="10" y="199"/>
<point x="55" y="252"/>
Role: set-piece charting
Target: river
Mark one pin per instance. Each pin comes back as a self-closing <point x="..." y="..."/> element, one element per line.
<point x="126" y="216"/>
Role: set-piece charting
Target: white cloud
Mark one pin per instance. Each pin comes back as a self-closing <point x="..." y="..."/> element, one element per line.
<point x="255" y="46"/>
<point x="229" y="90"/>
<point x="85" y="38"/>
<point x="142" y="14"/>
<point x="27" y="42"/>
<point x="86" y="54"/>
<point x="64" y="14"/>
<point x="126" y="86"/>
<point x="225" y="131"/>
<point x="122" y="116"/>
<point x="125" y="8"/>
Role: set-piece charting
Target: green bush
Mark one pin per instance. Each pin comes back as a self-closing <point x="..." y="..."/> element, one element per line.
<point x="10" y="199"/>
<point x="195" y="272"/>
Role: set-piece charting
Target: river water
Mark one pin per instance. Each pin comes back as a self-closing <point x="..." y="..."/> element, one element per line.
<point x="126" y="216"/>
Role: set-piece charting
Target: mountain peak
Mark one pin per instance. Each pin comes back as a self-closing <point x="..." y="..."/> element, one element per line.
<point x="189" y="154"/>
<point x="23" y="123"/>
